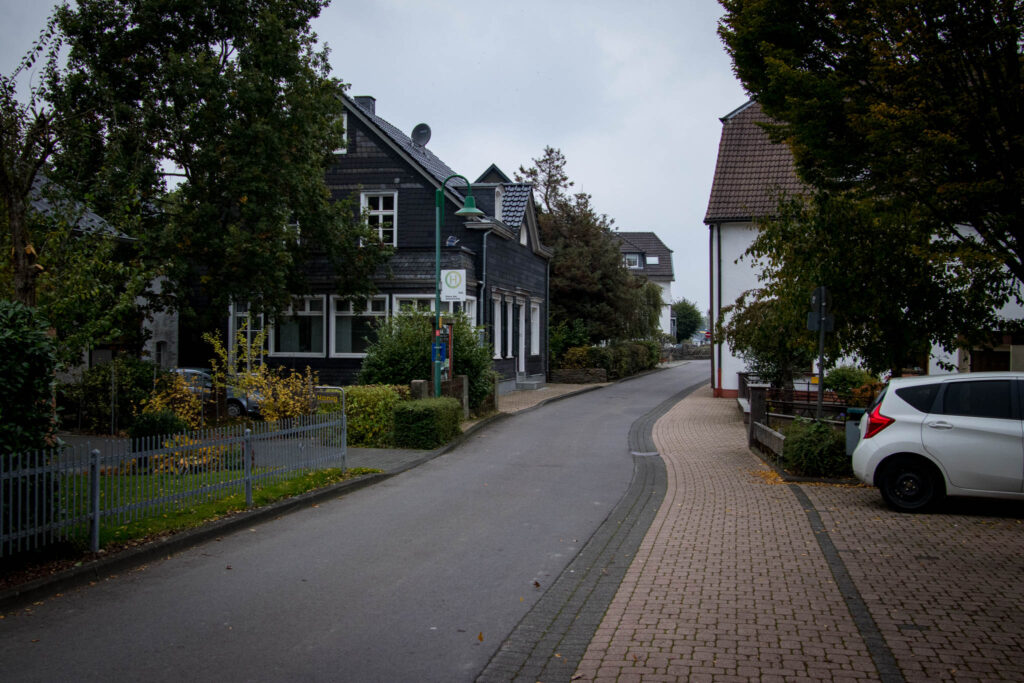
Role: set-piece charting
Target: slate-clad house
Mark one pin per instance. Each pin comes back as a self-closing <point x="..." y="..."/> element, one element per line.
<point x="645" y="255"/>
<point x="394" y="180"/>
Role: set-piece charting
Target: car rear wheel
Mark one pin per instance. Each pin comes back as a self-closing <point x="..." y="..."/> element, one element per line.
<point x="235" y="409"/>
<point x="910" y="484"/>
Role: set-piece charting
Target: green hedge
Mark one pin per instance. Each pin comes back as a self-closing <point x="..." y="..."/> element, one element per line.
<point x="815" y="449"/>
<point x="427" y="423"/>
<point x="370" y="411"/>
<point x="26" y="379"/>
<point x="623" y="359"/>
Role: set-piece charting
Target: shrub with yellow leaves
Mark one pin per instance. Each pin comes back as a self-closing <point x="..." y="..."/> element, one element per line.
<point x="280" y="393"/>
<point x="174" y="394"/>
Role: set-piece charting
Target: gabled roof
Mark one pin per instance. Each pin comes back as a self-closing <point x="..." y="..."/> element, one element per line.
<point x="516" y="197"/>
<point x="751" y="170"/>
<point x="86" y="222"/>
<point x="647" y="244"/>
<point x="419" y="154"/>
<point x="493" y="174"/>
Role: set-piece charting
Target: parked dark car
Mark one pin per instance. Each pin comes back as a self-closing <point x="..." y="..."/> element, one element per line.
<point x="201" y="382"/>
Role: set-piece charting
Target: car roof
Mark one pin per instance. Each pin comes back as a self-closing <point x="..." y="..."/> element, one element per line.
<point x="952" y="377"/>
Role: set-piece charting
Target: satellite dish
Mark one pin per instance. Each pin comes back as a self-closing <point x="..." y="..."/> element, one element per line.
<point x="421" y="134"/>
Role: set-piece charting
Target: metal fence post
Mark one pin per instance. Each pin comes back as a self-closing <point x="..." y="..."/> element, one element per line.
<point x="758" y="409"/>
<point x="344" y="431"/>
<point x="94" y="500"/>
<point x="247" y="456"/>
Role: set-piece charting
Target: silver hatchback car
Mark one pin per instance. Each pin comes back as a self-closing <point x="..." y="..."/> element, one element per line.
<point x="924" y="438"/>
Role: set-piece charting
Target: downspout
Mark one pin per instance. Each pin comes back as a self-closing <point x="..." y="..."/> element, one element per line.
<point x="547" y="320"/>
<point x="718" y="229"/>
<point x="711" y="292"/>
<point x="483" y="284"/>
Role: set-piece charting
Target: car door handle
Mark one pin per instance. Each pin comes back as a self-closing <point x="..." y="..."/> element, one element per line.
<point x="940" y="425"/>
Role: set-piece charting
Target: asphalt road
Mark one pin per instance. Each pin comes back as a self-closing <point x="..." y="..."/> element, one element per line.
<point x="419" y="578"/>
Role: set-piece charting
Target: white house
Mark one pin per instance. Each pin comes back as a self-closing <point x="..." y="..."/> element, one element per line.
<point x="645" y="255"/>
<point x="750" y="174"/>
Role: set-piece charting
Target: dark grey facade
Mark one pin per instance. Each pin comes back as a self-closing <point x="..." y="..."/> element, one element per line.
<point x="395" y="180"/>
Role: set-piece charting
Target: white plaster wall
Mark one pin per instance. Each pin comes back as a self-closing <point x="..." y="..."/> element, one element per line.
<point x="738" y="276"/>
<point x="665" y="321"/>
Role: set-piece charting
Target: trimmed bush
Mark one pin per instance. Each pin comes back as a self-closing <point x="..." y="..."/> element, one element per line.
<point x="623" y="359"/>
<point x="427" y="423"/>
<point x="401" y="353"/>
<point x="815" y="449"/>
<point x="370" y="411"/>
<point x="26" y="379"/>
<point x="845" y="378"/>
<point x="158" y="423"/>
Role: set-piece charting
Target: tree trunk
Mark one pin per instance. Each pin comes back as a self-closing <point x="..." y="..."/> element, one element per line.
<point x="23" y="255"/>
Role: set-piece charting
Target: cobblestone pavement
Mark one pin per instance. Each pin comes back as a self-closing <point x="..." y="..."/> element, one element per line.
<point x="744" y="577"/>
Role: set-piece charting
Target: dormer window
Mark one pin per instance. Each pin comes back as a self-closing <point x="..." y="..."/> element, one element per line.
<point x="632" y="261"/>
<point x="499" y="194"/>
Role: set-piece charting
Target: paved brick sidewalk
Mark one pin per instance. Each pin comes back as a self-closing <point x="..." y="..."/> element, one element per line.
<point x="729" y="583"/>
<point x="742" y="577"/>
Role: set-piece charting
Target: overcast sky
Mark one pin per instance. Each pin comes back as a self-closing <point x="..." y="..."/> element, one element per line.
<point x="631" y="92"/>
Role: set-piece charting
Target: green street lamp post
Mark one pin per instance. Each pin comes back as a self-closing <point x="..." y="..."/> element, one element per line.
<point x="468" y="209"/>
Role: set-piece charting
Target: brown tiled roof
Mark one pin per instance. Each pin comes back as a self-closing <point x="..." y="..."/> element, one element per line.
<point x="647" y="244"/>
<point x="751" y="170"/>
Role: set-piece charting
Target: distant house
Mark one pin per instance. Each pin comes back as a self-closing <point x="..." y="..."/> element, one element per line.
<point x="645" y="255"/>
<point x="393" y="180"/>
<point x="751" y="174"/>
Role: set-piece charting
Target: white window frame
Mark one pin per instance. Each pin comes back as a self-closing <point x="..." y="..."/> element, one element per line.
<point x="305" y="312"/>
<point x="496" y="305"/>
<point x="417" y="299"/>
<point x="522" y="335"/>
<point x="509" y="310"/>
<point x="344" y="308"/>
<point x="534" y="328"/>
<point x="632" y="263"/>
<point x="344" y="122"/>
<point x="469" y="305"/>
<point x="364" y="207"/>
<point x="237" y="311"/>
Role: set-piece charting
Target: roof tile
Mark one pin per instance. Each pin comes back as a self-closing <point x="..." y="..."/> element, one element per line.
<point x="751" y="171"/>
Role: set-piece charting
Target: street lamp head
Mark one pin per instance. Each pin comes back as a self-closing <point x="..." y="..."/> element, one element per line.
<point x="469" y="209"/>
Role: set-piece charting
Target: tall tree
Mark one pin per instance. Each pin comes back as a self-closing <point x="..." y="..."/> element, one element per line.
<point x="688" y="319"/>
<point x="76" y="269"/>
<point x="916" y="101"/>
<point x="28" y="137"/>
<point x="589" y="283"/>
<point x="235" y="99"/>
<point x="548" y="177"/>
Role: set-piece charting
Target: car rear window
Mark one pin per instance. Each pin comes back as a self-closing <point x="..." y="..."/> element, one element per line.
<point x="989" y="398"/>
<point x="921" y="397"/>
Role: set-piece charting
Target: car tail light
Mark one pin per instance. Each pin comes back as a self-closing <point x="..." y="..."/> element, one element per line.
<point x="876" y="422"/>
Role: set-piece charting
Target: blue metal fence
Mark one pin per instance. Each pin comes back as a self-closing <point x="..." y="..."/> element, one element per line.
<point x="74" y="491"/>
